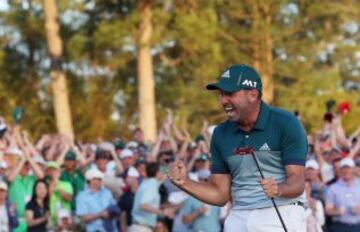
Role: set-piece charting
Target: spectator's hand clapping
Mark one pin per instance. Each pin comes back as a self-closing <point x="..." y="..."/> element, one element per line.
<point x="203" y="209"/>
<point x="105" y="214"/>
<point x="169" y="213"/>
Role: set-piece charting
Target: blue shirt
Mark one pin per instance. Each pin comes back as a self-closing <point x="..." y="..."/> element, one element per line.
<point x="342" y="195"/>
<point x="208" y="221"/>
<point x="147" y="193"/>
<point x="89" y="202"/>
<point x="278" y="139"/>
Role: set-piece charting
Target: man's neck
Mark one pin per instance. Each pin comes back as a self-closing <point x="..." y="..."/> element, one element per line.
<point x="93" y="189"/>
<point x="250" y="120"/>
<point x="349" y="181"/>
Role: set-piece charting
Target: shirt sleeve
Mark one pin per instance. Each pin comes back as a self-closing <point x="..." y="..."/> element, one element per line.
<point x="67" y="187"/>
<point x="330" y="196"/>
<point x="294" y="143"/>
<point x="149" y="197"/>
<point x="81" y="208"/>
<point x="218" y="165"/>
<point x="187" y="209"/>
<point x="29" y="206"/>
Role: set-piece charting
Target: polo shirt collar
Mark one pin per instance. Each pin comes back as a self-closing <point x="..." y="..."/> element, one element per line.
<point x="262" y="119"/>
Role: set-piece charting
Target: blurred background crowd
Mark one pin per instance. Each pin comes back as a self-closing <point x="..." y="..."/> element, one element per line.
<point x="59" y="184"/>
<point x="89" y="73"/>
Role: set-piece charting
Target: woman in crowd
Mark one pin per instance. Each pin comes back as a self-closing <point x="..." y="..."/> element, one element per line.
<point x="37" y="209"/>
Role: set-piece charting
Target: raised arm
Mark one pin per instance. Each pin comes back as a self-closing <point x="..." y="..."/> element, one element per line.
<point x="35" y="167"/>
<point x="119" y="166"/>
<point x="156" y="148"/>
<point x="215" y="192"/>
<point x="30" y="146"/>
<point x="17" y="170"/>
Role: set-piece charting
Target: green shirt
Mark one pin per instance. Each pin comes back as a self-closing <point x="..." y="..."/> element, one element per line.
<point x="57" y="202"/>
<point x="20" y="192"/>
<point x="77" y="181"/>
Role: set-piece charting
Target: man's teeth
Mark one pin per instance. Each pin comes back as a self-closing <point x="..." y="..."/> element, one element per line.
<point x="229" y="108"/>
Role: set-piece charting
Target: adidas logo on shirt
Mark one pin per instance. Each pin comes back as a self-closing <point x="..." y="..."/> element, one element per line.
<point x="265" y="147"/>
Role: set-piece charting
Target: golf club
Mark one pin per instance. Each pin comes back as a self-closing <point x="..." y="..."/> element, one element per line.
<point x="251" y="151"/>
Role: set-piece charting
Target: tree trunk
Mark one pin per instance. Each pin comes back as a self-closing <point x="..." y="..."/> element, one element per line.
<point x="267" y="63"/>
<point x="57" y="75"/>
<point x="255" y="43"/>
<point x="145" y="74"/>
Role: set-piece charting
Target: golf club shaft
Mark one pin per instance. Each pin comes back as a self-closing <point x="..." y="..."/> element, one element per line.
<point x="272" y="199"/>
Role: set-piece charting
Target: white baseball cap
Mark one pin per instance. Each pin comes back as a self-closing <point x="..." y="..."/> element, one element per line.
<point x="3" y="126"/>
<point x="3" y="164"/>
<point x="14" y="151"/>
<point x="39" y="159"/>
<point x="132" y="145"/>
<point x="106" y="146"/>
<point x="3" y="185"/>
<point x="347" y="162"/>
<point x="204" y="173"/>
<point x="94" y="173"/>
<point x="126" y="153"/>
<point x="312" y="164"/>
<point x="63" y="213"/>
<point x="133" y="172"/>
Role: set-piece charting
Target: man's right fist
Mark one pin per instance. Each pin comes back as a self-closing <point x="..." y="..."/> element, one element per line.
<point x="177" y="172"/>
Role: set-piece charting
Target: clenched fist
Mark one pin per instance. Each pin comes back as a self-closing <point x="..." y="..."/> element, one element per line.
<point x="271" y="188"/>
<point x="177" y="172"/>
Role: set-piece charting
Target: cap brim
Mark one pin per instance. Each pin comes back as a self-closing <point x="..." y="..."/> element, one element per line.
<point x="222" y="86"/>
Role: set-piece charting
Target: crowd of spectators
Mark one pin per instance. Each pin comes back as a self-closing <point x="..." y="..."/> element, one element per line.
<point x="60" y="184"/>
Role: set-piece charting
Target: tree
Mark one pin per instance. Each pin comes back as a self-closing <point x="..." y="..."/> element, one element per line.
<point x="58" y="78"/>
<point x="145" y="73"/>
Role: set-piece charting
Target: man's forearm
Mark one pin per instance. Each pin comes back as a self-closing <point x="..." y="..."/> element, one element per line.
<point x="91" y="217"/>
<point x="189" y="218"/>
<point x="292" y="187"/>
<point x="150" y="209"/>
<point x="206" y="192"/>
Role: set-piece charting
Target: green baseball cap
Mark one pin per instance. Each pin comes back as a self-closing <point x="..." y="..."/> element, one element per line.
<point x="70" y="155"/>
<point x="237" y="77"/>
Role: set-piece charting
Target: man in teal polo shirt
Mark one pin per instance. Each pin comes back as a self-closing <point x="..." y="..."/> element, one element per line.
<point x="280" y="143"/>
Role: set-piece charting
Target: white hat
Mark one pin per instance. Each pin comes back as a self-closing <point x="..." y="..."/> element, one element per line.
<point x="107" y="146"/>
<point x="347" y="162"/>
<point x="63" y="213"/>
<point x="204" y="174"/>
<point x="132" y="144"/>
<point x="39" y="159"/>
<point x="133" y="172"/>
<point x="193" y="176"/>
<point x="3" y="126"/>
<point x="14" y="151"/>
<point x="126" y="153"/>
<point x="3" y="164"/>
<point x="312" y="164"/>
<point x="3" y="185"/>
<point x="94" y="173"/>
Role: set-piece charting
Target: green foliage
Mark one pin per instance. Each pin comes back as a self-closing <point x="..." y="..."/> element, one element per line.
<point x="193" y="42"/>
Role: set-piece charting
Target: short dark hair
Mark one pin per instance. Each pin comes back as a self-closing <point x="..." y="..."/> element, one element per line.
<point x="152" y="168"/>
<point x="137" y="129"/>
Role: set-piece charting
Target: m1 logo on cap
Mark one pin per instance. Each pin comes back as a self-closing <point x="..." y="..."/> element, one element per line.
<point x="249" y="83"/>
<point x="226" y="74"/>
